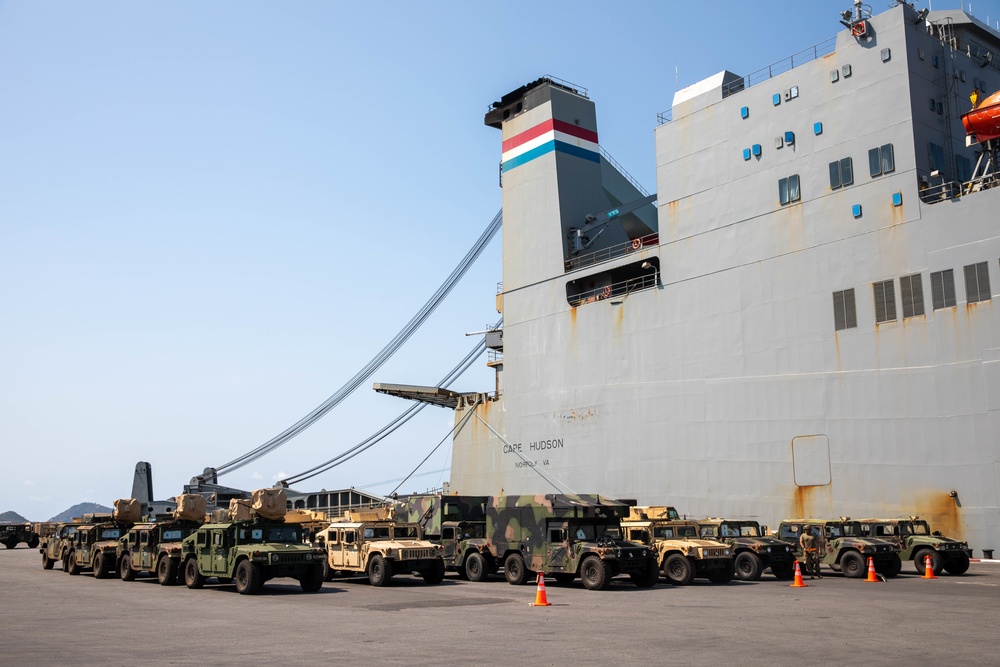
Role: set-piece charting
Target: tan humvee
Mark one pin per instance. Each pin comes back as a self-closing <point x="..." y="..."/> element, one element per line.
<point x="682" y="554"/>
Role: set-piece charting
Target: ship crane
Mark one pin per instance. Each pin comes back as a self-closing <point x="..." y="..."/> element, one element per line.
<point x="580" y="238"/>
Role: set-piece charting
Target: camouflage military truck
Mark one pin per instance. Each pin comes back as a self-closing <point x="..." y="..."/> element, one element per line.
<point x="568" y="536"/>
<point x="844" y="546"/>
<point x="458" y="524"/>
<point x="916" y="542"/>
<point x="752" y="549"/>
<point x="251" y="552"/>
<point x="55" y="546"/>
<point x="679" y="551"/>
<point x="253" y="548"/>
<point x="156" y="547"/>
<point x="94" y="547"/>
<point x="12" y="534"/>
<point x="374" y="543"/>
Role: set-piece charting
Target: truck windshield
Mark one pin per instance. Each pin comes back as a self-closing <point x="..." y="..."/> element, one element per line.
<point x="921" y="528"/>
<point x="376" y="532"/>
<point x="171" y="535"/>
<point x="404" y="532"/>
<point x="671" y="532"/>
<point x="111" y="533"/>
<point x="283" y="534"/>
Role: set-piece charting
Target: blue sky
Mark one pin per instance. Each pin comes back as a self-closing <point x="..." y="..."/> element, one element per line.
<point x="212" y="215"/>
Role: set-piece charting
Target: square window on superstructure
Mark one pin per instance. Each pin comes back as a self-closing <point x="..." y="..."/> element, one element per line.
<point x="835" y="175"/>
<point x="977" y="282"/>
<point x="911" y="288"/>
<point x="841" y="173"/>
<point x="888" y="158"/>
<point x="885" y="301"/>
<point x="935" y="154"/>
<point x="783" y="191"/>
<point x="844" y="314"/>
<point x="963" y="168"/>
<point x="943" y="289"/>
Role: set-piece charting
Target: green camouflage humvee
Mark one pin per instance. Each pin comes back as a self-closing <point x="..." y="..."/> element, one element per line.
<point x="458" y="524"/>
<point x="567" y="535"/>
<point x="251" y="551"/>
<point x="13" y="533"/>
<point x="373" y="543"/>
<point x="843" y="546"/>
<point x="679" y="551"/>
<point x="917" y="542"/>
<point x="56" y="545"/>
<point x="154" y="548"/>
<point x="753" y="550"/>
<point x="94" y="547"/>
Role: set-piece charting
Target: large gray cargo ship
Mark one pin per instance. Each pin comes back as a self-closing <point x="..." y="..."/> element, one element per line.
<point x="801" y="325"/>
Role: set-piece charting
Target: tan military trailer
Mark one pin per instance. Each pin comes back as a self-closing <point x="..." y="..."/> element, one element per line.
<point x="55" y="545"/>
<point x="11" y="534"/>
<point x="753" y="549"/>
<point x="156" y="547"/>
<point x="374" y="543"/>
<point x="681" y="553"/>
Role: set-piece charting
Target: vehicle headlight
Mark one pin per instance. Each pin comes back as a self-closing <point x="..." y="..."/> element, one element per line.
<point x="726" y="552"/>
<point x="309" y="556"/>
<point x="275" y="558"/>
<point x="788" y="548"/>
<point x="769" y="550"/>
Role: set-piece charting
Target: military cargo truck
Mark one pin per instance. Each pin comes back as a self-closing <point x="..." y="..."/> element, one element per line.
<point x="843" y="546"/>
<point x="568" y="536"/>
<point x="679" y="551"/>
<point x="55" y="546"/>
<point x="251" y="552"/>
<point x="154" y="548"/>
<point x="12" y="534"/>
<point x="372" y="542"/>
<point x="753" y="550"/>
<point x="458" y="524"/>
<point x="916" y="542"/>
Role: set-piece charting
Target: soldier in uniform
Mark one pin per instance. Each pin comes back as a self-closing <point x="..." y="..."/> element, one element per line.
<point x="810" y="550"/>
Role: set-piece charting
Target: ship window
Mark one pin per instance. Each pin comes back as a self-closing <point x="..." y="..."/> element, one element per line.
<point x="788" y="189"/>
<point x="841" y="173"/>
<point x="844" y="314"/>
<point x="911" y="288"/>
<point x="963" y="168"/>
<point x="936" y="155"/>
<point x="881" y="160"/>
<point x="943" y="289"/>
<point x="885" y="301"/>
<point x="977" y="282"/>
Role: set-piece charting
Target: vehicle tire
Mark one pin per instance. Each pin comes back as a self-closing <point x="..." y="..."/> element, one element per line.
<point x="853" y="565"/>
<point x="74" y="564"/>
<point x="47" y="562"/>
<point x="166" y="571"/>
<point x="100" y="567"/>
<point x="937" y="563"/>
<point x="833" y="566"/>
<point x="748" y="566"/>
<point x="33" y="542"/>
<point x="434" y="575"/>
<point x="723" y="575"/>
<point x="783" y="571"/>
<point x="957" y="565"/>
<point x="248" y="578"/>
<point x="649" y="578"/>
<point x="564" y="577"/>
<point x="11" y="543"/>
<point x="313" y="579"/>
<point x="475" y="567"/>
<point x="594" y="573"/>
<point x="193" y="578"/>
<point x="678" y="570"/>
<point x="328" y="573"/>
<point x="65" y="563"/>
<point x="125" y="571"/>
<point x="379" y="571"/>
<point x="891" y="567"/>
<point x="515" y="570"/>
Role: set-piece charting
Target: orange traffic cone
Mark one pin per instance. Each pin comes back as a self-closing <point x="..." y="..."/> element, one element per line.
<point x="928" y="569"/>
<point x="871" y="572"/>
<point x="540" y="599"/>
<point x="797" y="582"/>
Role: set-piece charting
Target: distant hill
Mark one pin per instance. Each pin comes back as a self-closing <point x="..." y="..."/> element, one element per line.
<point x="78" y="510"/>
<point x="12" y="517"/>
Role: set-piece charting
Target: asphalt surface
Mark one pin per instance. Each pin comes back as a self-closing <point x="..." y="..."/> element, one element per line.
<point x="49" y="617"/>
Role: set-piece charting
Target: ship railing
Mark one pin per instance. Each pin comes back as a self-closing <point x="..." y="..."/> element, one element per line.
<point x="814" y="52"/>
<point x="616" y="292"/>
<point x="980" y="183"/>
<point x="611" y="252"/>
<point x="494" y="356"/>
<point x="621" y="170"/>
<point x="940" y="192"/>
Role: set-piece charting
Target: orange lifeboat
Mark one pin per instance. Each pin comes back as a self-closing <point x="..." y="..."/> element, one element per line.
<point x="984" y="120"/>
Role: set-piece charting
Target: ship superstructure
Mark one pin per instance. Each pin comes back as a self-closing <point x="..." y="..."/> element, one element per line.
<point x="803" y="325"/>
